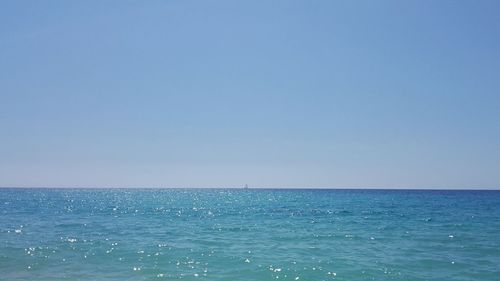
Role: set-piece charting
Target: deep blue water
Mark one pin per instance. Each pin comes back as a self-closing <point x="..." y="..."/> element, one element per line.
<point x="223" y="234"/>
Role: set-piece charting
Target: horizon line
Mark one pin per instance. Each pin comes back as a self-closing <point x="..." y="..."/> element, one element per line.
<point x="256" y="188"/>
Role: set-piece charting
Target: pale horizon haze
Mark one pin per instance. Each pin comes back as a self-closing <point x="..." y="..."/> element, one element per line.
<point x="338" y="94"/>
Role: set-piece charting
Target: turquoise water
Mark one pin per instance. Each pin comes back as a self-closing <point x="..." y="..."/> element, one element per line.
<point x="221" y="234"/>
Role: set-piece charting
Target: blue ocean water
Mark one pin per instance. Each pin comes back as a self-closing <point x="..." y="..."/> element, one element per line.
<point x="224" y="234"/>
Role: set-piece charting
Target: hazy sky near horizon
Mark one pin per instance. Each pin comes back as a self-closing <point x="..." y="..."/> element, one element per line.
<point x="268" y="93"/>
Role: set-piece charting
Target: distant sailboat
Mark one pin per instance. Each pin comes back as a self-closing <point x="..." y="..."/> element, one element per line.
<point x="246" y="186"/>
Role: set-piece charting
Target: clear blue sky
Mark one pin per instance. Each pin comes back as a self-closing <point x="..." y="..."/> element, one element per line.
<point x="269" y="93"/>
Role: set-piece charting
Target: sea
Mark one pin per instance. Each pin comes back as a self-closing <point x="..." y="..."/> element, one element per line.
<point x="249" y="234"/>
